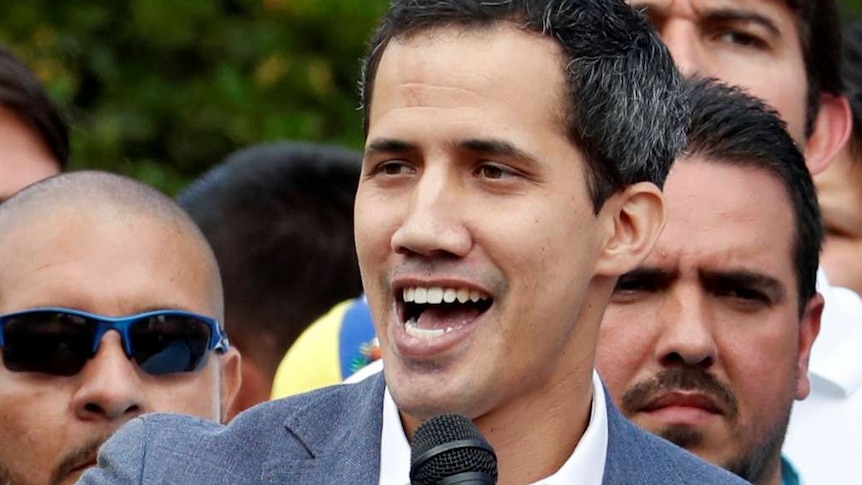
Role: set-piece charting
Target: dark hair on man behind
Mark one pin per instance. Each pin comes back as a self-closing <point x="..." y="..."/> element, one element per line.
<point x="852" y="72"/>
<point x="728" y="126"/>
<point x="820" y="37"/>
<point x="623" y="108"/>
<point x="23" y="94"/>
<point x="279" y="218"/>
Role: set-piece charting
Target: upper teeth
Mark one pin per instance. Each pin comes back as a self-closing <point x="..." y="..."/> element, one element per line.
<point x="436" y="295"/>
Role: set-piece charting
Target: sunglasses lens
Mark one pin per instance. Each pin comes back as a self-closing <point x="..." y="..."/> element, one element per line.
<point x="166" y="344"/>
<point x="47" y="342"/>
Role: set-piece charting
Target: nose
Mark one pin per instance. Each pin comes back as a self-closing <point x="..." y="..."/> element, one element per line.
<point x="687" y="332"/>
<point x="110" y="387"/>
<point x="433" y="222"/>
<point x="682" y="39"/>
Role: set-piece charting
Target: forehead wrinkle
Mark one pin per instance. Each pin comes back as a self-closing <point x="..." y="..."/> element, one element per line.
<point x="425" y="95"/>
<point x="682" y="258"/>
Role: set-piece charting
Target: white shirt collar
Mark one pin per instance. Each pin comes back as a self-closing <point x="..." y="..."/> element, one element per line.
<point x="835" y="359"/>
<point x="585" y="466"/>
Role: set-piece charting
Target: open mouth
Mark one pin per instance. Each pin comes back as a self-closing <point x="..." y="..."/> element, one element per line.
<point x="431" y="312"/>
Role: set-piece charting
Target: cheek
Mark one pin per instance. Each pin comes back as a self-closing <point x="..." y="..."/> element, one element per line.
<point x="195" y="395"/>
<point x="373" y="230"/>
<point x="776" y="84"/>
<point x="32" y="438"/>
<point x="762" y="368"/>
<point x="618" y="352"/>
<point x="840" y="259"/>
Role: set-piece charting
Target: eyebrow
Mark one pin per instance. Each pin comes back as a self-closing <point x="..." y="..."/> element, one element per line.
<point x="388" y="145"/>
<point x="772" y="287"/>
<point x="726" y="14"/>
<point x="488" y="146"/>
<point x="500" y="148"/>
<point x="656" y="277"/>
<point x="736" y="15"/>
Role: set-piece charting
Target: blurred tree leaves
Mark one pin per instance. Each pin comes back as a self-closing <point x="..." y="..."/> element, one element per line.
<point x="163" y="89"/>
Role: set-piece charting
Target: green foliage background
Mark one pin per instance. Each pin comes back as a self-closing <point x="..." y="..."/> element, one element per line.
<point x="163" y="89"/>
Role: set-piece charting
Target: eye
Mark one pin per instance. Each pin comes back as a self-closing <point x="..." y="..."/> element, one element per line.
<point x="494" y="171"/>
<point x="746" y="298"/>
<point x="743" y="39"/>
<point x="630" y="287"/>
<point x="393" y="167"/>
<point x="834" y="231"/>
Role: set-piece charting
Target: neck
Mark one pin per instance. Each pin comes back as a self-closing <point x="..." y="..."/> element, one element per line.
<point x="535" y="436"/>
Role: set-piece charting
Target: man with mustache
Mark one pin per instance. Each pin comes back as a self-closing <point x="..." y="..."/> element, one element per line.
<point x="787" y="52"/>
<point x="707" y="342"/>
<point x="110" y="301"/>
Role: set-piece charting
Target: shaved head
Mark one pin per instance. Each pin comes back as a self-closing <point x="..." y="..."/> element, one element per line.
<point x="92" y="198"/>
<point x="107" y="245"/>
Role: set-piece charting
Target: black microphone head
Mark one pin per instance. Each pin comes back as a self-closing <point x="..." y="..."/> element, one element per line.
<point x="449" y="449"/>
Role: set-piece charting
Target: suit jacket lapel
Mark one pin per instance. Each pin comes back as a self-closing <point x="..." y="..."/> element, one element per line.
<point x="332" y="439"/>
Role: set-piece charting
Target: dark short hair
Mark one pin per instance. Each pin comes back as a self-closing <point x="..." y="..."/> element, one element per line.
<point x="623" y="103"/>
<point x="819" y="28"/>
<point x="23" y="94"/>
<point x="852" y="73"/>
<point x="730" y="127"/>
<point x="279" y="218"/>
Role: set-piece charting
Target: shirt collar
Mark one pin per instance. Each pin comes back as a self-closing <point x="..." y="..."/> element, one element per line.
<point x="585" y="466"/>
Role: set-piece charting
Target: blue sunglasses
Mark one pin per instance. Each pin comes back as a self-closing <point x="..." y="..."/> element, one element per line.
<point x="60" y="341"/>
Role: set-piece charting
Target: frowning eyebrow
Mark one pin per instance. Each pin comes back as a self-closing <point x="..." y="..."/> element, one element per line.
<point x="718" y="15"/>
<point x="741" y="16"/>
<point x="771" y="287"/>
<point x="651" y="278"/>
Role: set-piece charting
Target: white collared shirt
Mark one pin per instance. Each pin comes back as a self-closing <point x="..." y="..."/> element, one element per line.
<point x="585" y="466"/>
<point x="825" y="432"/>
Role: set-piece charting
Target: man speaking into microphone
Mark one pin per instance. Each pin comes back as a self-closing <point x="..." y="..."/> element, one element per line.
<point x="514" y="155"/>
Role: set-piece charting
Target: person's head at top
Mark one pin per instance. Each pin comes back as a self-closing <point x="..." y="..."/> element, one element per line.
<point x="279" y="217"/>
<point x="511" y="173"/>
<point x="34" y="139"/>
<point x="707" y="342"/>
<point x="110" y="302"/>
<point x="786" y="52"/>
<point x="839" y="189"/>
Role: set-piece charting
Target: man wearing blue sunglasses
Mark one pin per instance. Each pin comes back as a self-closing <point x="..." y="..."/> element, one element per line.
<point x="110" y="301"/>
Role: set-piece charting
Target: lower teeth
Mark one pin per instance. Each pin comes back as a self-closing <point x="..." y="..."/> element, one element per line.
<point x="412" y="328"/>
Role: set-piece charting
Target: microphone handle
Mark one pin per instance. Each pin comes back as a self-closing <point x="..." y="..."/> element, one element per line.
<point x="468" y="478"/>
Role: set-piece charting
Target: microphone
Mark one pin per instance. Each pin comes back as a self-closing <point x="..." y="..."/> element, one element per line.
<point x="449" y="450"/>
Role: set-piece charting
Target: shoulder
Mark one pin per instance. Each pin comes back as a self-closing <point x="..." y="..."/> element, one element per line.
<point x="171" y="448"/>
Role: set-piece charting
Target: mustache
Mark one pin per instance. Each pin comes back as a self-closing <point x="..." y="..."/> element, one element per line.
<point x="77" y="457"/>
<point x="673" y="379"/>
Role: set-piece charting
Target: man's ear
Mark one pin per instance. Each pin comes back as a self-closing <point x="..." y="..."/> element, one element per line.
<point x="635" y="217"/>
<point x="809" y="327"/>
<point x="231" y="378"/>
<point x="831" y="130"/>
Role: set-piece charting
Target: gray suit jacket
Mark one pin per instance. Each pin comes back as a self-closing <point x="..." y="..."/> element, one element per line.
<point x="332" y="437"/>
